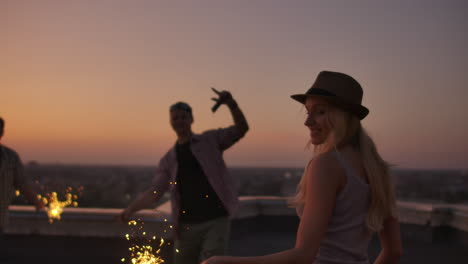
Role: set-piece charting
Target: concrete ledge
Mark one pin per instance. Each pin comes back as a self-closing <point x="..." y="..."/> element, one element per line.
<point x="415" y="213"/>
<point x="101" y="222"/>
<point x="459" y="217"/>
<point x="252" y="206"/>
<point x="434" y="215"/>
<point x="83" y="222"/>
<point x="424" y="214"/>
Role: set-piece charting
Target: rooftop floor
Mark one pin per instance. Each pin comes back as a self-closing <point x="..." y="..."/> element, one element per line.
<point x="431" y="234"/>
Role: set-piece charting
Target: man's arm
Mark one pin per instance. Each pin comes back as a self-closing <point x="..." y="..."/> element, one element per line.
<point x="19" y="182"/>
<point x="146" y="199"/>
<point x="240" y="122"/>
<point x="239" y="119"/>
<point x="31" y="196"/>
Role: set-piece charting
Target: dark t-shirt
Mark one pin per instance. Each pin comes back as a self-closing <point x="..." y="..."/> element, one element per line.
<point x="199" y="201"/>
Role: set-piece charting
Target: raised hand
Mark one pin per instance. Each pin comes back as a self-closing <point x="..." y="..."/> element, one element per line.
<point x="223" y="98"/>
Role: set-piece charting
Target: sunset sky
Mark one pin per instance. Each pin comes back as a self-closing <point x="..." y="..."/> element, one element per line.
<point x="90" y="82"/>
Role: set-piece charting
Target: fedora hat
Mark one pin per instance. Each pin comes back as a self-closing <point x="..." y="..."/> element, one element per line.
<point x="339" y="89"/>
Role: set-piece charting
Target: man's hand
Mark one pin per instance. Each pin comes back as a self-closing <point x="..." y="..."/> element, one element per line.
<point x="224" y="97"/>
<point x="124" y="216"/>
<point x="40" y="205"/>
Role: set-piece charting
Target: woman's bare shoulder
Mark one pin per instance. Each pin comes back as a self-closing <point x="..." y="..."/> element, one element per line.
<point x="325" y="165"/>
<point x="324" y="160"/>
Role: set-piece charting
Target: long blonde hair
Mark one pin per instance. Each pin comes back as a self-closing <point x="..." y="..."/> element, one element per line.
<point x="346" y="129"/>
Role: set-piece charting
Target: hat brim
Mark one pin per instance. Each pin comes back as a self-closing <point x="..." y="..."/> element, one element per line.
<point x="359" y="110"/>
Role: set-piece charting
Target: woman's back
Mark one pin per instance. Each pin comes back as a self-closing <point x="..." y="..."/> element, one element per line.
<point x="347" y="237"/>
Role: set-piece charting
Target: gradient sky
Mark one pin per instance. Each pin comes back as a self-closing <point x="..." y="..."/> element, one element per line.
<point x="90" y="82"/>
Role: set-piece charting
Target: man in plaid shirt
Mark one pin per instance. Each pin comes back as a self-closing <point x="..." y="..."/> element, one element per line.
<point x="11" y="178"/>
<point x="203" y="196"/>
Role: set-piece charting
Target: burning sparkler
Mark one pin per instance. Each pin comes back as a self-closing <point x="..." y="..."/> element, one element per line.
<point x="55" y="206"/>
<point x="144" y="254"/>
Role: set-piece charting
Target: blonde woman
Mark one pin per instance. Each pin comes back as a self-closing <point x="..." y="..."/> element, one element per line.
<point x="345" y="194"/>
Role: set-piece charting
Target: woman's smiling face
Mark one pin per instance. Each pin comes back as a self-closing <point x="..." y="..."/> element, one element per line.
<point x="317" y="119"/>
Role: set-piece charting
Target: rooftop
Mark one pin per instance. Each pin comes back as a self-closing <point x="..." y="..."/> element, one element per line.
<point x="432" y="233"/>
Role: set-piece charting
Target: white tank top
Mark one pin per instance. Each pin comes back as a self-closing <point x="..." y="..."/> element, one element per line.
<point x="347" y="237"/>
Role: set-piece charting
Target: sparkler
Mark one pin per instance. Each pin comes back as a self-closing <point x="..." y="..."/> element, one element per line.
<point x="55" y="206"/>
<point x="144" y="254"/>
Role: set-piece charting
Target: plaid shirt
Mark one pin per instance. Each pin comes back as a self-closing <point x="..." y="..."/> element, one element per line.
<point x="11" y="176"/>
<point x="208" y="149"/>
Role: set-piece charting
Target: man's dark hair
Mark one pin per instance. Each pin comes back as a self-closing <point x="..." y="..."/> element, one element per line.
<point x="181" y="106"/>
<point x="2" y="125"/>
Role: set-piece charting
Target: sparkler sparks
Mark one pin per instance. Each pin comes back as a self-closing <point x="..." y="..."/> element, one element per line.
<point x="55" y="206"/>
<point x="143" y="254"/>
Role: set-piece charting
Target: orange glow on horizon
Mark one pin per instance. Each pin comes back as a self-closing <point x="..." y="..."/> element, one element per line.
<point x="95" y="87"/>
